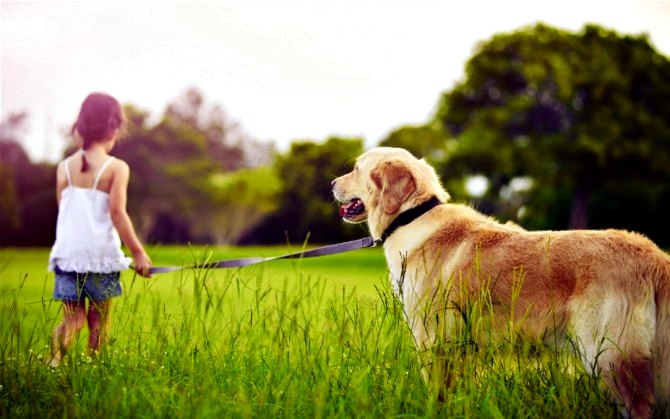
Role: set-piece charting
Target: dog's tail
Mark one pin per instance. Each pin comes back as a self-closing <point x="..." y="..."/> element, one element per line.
<point x="662" y="350"/>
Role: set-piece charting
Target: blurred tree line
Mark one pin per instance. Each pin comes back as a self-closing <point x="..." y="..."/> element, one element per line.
<point x="27" y="191"/>
<point x="563" y="130"/>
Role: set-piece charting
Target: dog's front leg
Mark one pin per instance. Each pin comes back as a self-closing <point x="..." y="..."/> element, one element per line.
<point x="433" y="328"/>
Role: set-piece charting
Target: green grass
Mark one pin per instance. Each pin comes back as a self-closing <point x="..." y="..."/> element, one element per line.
<point x="317" y="337"/>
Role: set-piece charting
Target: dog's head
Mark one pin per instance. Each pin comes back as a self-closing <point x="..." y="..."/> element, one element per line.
<point x="384" y="183"/>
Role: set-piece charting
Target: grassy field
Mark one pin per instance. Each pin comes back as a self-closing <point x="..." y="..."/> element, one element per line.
<point x="310" y="338"/>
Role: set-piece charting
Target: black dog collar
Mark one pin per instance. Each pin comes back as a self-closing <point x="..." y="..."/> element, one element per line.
<point x="409" y="216"/>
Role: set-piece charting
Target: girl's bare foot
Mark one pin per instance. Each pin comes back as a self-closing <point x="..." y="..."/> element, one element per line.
<point x="55" y="360"/>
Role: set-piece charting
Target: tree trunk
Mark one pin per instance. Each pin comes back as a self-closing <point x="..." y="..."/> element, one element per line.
<point x="579" y="209"/>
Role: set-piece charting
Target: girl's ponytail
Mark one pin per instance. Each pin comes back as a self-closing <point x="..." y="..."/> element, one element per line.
<point x="77" y="129"/>
<point x="84" y="163"/>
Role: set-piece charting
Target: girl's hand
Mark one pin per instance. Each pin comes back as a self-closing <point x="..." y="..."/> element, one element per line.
<point x="142" y="264"/>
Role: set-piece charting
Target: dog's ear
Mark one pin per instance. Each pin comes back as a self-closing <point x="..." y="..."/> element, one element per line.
<point x="396" y="182"/>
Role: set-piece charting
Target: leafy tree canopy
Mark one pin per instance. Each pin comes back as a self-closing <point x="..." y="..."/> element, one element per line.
<point x="175" y="193"/>
<point x="576" y="113"/>
<point x="423" y="141"/>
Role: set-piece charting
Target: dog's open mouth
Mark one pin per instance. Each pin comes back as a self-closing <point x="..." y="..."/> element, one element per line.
<point x="352" y="210"/>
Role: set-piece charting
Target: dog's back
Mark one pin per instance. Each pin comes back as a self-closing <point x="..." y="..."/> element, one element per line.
<point x="607" y="291"/>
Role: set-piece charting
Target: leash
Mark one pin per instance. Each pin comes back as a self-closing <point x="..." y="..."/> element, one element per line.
<point x="238" y="263"/>
<point x="403" y="219"/>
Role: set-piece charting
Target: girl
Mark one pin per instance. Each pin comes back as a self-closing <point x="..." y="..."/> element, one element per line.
<point x="91" y="189"/>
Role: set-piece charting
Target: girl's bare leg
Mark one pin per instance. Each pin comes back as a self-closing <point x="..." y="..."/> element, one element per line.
<point x="98" y="324"/>
<point x="74" y="318"/>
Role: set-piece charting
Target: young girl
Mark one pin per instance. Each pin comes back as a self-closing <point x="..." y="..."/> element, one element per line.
<point x="91" y="188"/>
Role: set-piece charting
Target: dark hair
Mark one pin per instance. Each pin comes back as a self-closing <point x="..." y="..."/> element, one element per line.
<point x="99" y="116"/>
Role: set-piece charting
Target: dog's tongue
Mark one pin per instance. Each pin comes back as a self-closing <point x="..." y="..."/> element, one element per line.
<point x="344" y="208"/>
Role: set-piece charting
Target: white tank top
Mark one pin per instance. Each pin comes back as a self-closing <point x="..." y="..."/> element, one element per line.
<point x="86" y="240"/>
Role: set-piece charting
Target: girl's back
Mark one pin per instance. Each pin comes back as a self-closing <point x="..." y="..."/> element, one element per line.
<point x="88" y="178"/>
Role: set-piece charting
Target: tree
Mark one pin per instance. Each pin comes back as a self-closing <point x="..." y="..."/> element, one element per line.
<point x="170" y="172"/>
<point x="580" y="114"/>
<point x="227" y="144"/>
<point x="240" y="201"/>
<point x="306" y="208"/>
<point x="423" y="141"/>
<point x="28" y="205"/>
<point x="12" y="160"/>
<point x="183" y="170"/>
<point x="10" y="204"/>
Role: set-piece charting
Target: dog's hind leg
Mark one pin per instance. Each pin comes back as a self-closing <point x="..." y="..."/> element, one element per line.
<point x="633" y="378"/>
<point x="614" y="336"/>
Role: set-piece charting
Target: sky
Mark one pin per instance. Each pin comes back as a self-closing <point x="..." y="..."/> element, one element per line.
<point x="283" y="70"/>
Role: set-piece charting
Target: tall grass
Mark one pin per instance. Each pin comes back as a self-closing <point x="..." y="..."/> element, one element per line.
<point x="268" y="341"/>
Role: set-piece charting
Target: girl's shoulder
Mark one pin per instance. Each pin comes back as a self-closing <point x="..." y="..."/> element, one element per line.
<point x="62" y="163"/>
<point x="69" y="161"/>
<point x="118" y="169"/>
<point x="118" y="164"/>
<point x="60" y="167"/>
<point x="116" y="172"/>
<point x="63" y="166"/>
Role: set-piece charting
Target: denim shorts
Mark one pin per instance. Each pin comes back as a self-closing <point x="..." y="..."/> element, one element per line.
<point x="73" y="286"/>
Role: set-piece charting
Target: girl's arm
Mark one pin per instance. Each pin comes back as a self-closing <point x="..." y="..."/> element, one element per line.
<point x="61" y="180"/>
<point x="118" y="196"/>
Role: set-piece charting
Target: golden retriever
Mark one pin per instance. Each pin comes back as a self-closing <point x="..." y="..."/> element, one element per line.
<point x="605" y="292"/>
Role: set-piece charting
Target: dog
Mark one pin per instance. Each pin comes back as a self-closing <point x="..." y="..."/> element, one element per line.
<point x="607" y="293"/>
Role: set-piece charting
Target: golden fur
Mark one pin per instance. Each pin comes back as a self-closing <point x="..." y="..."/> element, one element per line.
<point x="605" y="292"/>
